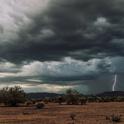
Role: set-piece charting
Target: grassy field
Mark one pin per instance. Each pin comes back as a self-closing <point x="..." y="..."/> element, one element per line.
<point x="92" y="113"/>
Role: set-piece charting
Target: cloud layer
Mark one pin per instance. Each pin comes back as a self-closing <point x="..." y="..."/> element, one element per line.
<point x="61" y="41"/>
<point x="64" y="74"/>
<point x="80" y="29"/>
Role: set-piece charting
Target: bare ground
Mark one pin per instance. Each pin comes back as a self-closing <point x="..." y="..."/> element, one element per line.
<point x="92" y="113"/>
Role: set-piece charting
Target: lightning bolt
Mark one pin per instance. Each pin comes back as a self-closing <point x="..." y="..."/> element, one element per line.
<point x="115" y="82"/>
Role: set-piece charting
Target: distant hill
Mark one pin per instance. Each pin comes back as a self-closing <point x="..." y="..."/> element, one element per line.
<point x="52" y="95"/>
<point x="111" y="94"/>
<point x="42" y="95"/>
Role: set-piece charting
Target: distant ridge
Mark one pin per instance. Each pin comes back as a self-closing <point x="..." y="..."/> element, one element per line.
<point x="42" y="95"/>
<point x="111" y="94"/>
<point x="52" y="95"/>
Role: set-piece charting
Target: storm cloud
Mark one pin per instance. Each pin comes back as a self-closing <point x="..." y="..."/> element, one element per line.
<point x="62" y="42"/>
<point x="80" y="29"/>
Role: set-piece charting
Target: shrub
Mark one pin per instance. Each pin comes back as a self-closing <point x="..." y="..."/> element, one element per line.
<point x="33" y="101"/>
<point x="83" y="101"/>
<point x="72" y="97"/>
<point x="28" y="103"/>
<point x="40" y="105"/>
<point x="12" y="96"/>
<point x="46" y="100"/>
<point x="60" y="100"/>
<point x="73" y="118"/>
<point x="116" y="118"/>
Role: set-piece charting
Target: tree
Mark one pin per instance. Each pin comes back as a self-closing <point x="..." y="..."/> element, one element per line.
<point x="12" y="96"/>
<point x="72" y="97"/>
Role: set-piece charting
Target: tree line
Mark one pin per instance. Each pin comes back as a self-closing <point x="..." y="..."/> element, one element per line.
<point x="14" y="96"/>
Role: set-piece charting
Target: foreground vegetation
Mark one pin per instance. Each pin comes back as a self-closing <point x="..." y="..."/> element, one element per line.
<point x="14" y="96"/>
<point x="70" y="108"/>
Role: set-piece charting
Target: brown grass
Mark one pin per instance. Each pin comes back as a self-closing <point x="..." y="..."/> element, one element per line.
<point x="92" y="113"/>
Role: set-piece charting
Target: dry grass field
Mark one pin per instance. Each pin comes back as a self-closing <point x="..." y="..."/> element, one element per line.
<point x="92" y="113"/>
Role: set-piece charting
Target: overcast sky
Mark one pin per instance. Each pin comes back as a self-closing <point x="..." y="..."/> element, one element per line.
<point x="53" y="45"/>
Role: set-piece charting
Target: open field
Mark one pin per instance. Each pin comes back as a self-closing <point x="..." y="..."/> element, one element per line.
<point x="92" y="113"/>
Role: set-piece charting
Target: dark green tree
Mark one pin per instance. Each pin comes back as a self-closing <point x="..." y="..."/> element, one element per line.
<point x="72" y="97"/>
<point x="12" y="96"/>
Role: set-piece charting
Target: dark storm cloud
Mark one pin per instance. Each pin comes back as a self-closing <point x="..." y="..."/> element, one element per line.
<point x="86" y="27"/>
<point x="86" y="37"/>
